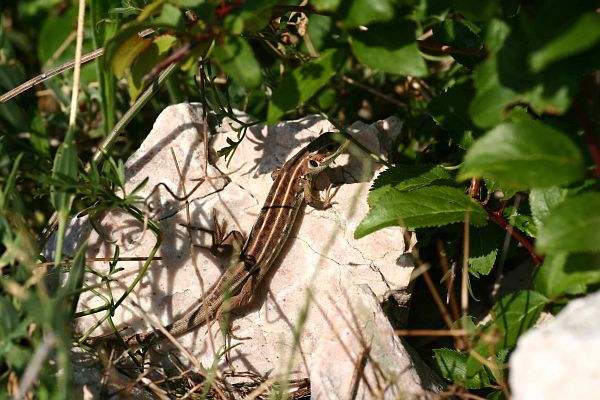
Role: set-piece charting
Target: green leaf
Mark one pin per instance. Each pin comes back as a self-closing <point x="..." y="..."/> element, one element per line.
<point x="364" y="12"/>
<point x="456" y="34"/>
<point x="452" y="366"/>
<point x="123" y="49"/>
<point x="571" y="226"/>
<point x="74" y="280"/>
<point x="559" y="32"/>
<point x="475" y="10"/>
<point x="251" y="16"/>
<point x="188" y="3"/>
<point x="65" y="166"/>
<point x="302" y="83"/>
<point x="484" y="249"/>
<point x="39" y="136"/>
<point x="147" y="60"/>
<point x="237" y="59"/>
<point x="567" y="273"/>
<point x="406" y="178"/>
<point x="326" y="5"/>
<point x="542" y="200"/>
<point x="319" y="31"/>
<point x="424" y="207"/>
<point x="505" y="78"/>
<point x="514" y="314"/>
<point x="171" y="16"/>
<point x="524" y="154"/>
<point x="390" y="47"/>
<point x="450" y="111"/>
<point x="9" y="320"/>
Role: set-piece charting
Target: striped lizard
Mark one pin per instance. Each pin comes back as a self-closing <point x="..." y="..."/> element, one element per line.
<point x="293" y="185"/>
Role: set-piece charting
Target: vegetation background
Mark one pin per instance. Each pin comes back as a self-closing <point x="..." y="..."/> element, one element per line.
<point x="497" y="167"/>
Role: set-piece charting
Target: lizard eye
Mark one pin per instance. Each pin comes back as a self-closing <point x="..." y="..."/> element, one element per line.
<point x="331" y="147"/>
<point x="313" y="163"/>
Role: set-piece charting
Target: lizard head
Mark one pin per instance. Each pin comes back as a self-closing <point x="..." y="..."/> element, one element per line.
<point x="323" y="150"/>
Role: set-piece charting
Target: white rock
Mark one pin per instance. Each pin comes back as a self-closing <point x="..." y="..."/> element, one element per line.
<point x="321" y="258"/>
<point x="561" y="358"/>
<point x="360" y="350"/>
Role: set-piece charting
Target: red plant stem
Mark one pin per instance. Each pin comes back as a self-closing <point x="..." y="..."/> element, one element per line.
<point x="501" y="222"/>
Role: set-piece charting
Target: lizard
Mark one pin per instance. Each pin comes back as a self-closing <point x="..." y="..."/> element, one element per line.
<point x="292" y="186"/>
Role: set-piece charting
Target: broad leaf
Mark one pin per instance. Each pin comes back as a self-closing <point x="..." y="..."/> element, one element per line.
<point x="511" y="316"/>
<point x="147" y="60"/>
<point x="425" y="207"/>
<point x="390" y="47"/>
<point x="451" y="365"/>
<point x="505" y="78"/>
<point x="572" y="226"/>
<point x="567" y="273"/>
<point x="542" y="200"/>
<point x="558" y="32"/>
<point x="524" y="154"/>
<point x="237" y="59"/>
<point x="326" y="5"/>
<point x="302" y="83"/>
<point x="406" y="178"/>
<point x="514" y="314"/>
<point x="124" y="48"/>
<point x="364" y="12"/>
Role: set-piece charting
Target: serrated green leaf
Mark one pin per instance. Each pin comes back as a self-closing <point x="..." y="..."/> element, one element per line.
<point x="364" y="12"/>
<point x="572" y="226"/>
<point x="302" y="83"/>
<point x="237" y="59"/>
<point x="542" y="200"/>
<point x="406" y="178"/>
<point x="454" y="33"/>
<point x="524" y="154"/>
<point x="452" y="366"/>
<point x="485" y="242"/>
<point x="425" y="207"/>
<point x="567" y="273"/>
<point x="390" y="47"/>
